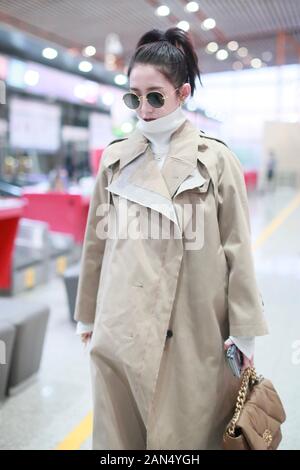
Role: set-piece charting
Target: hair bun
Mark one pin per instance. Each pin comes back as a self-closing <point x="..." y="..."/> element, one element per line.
<point x="161" y="49"/>
<point x="154" y="35"/>
<point x="177" y="37"/>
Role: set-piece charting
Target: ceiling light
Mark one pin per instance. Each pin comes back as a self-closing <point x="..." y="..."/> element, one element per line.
<point x="233" y="46"/>
<point x="31" y="77"/>
<point x="163" y="10"/>
<point x="256" y="63"/>
<point x="184" y="25"/>
<point x="121" y="79"/>
<point x="222" y="54"/>
<point x="192" y="7"/>
<point x="212" y="47"/>
<point x="243" y="52"/>
<point x="49" y="53"/>
<point x="207" y="24"/>
<point x="89" y="51"/>
<point x="85" y="66"/>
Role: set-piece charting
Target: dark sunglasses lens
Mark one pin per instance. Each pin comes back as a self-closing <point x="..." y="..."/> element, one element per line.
<point x="131" y="100"/>
<point x="156" y="99"/>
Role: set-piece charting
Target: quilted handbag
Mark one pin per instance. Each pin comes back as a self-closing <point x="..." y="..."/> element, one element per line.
<point x="257" y="418"/>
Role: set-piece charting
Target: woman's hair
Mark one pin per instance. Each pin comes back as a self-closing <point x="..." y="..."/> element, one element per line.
<point x="172" y="53"/>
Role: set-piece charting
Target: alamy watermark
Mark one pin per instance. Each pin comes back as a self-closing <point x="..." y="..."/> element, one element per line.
<point x="128" y="220"/>
<point x="2" y="352"/>
<point x="2" y="92"/>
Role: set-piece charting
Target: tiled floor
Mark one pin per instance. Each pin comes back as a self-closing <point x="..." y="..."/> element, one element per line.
<point x="40" y="416"/>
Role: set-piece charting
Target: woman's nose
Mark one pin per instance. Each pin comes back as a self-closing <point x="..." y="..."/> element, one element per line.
<point x="145" y="108"/>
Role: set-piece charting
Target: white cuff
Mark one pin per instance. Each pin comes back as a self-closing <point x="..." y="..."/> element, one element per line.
<point x="84" y="328"/>
<point x="245" y="344"/>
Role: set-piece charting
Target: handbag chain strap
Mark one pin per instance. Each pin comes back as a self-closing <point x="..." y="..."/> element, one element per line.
<point x="250" y="378"/>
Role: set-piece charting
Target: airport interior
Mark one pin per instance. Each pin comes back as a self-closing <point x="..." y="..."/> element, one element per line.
<point x="63" y="75"/>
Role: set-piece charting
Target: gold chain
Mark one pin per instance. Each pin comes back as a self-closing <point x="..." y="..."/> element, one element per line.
<point x="250" y="378"/>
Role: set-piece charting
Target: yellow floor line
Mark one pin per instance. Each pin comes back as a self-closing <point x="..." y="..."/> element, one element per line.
<point x="277" y="221"/>
<point x="78" y="436"/>
<point x="83" y="431"/>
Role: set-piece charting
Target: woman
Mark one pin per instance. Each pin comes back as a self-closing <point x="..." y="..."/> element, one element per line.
<point x="162" y="306"/>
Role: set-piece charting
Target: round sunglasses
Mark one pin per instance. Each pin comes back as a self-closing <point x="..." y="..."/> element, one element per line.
<point x="156" y="99"/>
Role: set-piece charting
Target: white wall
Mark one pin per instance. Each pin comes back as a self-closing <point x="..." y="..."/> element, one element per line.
<point x="245" y="100"/>
<point x="283" y="139"/>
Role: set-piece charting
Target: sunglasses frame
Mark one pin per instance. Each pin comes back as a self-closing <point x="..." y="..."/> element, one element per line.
<point x="145" y="96"/>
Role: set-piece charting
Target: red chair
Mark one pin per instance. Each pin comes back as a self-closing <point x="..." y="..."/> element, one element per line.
<point x="66" y="213"/>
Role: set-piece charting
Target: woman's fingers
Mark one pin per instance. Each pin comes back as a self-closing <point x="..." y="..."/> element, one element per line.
<point x="227" y="343"/>
<point x="85" y="337"/>
<point x="246" y="361"/>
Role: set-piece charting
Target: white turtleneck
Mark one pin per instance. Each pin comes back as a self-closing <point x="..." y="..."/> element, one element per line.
<point x="159" y="132"/>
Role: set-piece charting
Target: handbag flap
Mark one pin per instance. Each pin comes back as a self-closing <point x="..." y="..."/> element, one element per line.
<point x="262" y="416"/>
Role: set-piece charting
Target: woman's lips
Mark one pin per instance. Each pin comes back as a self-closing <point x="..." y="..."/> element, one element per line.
<point x="152" y="119"/>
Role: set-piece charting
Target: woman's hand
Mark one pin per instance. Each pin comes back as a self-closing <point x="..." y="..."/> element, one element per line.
<point x="246" y="361"/>
<point x="85" y="337"/>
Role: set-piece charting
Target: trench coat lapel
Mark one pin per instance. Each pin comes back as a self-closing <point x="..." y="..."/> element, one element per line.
<point x="131" y="148"/>
<point x="180" y="169"/>
<point x="182" y="159"/>
<point x="140" y="181"/>
<point x="145" y="173"/>
<point x="149" y="177"/>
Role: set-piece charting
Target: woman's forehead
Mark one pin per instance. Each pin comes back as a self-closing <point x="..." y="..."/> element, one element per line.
<point x="146" y="77"/>
<point x="150" y="88"/>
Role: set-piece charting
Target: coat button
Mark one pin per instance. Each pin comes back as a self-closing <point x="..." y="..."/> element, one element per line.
<point x="169" y="334"/>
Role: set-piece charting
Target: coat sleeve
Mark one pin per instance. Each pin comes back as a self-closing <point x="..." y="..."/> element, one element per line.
<point x="245" y="307"/>
<point x="92" y="253"/>
<point x="84" y="328"/>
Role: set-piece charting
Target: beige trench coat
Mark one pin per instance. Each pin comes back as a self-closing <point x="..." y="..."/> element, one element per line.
<point x="163" y="307"/>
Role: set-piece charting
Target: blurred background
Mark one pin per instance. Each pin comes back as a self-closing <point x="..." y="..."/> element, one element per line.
<point x="62" y="76"/>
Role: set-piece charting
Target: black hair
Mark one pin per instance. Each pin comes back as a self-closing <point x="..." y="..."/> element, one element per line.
<point x="172" y="53"/>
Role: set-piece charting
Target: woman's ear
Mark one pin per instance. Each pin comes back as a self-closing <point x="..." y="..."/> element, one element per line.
<point x="185" y="91"/>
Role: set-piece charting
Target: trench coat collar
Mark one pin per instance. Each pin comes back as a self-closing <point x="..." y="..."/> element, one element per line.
<point x="179" y="164"/>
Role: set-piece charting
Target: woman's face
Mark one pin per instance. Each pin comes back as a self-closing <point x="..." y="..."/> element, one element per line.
<point x="145" y="78"/>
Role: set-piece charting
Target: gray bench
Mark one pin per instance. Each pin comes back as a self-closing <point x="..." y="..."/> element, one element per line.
<point x="30" y="321"/>
<point x="7" y="339"/>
